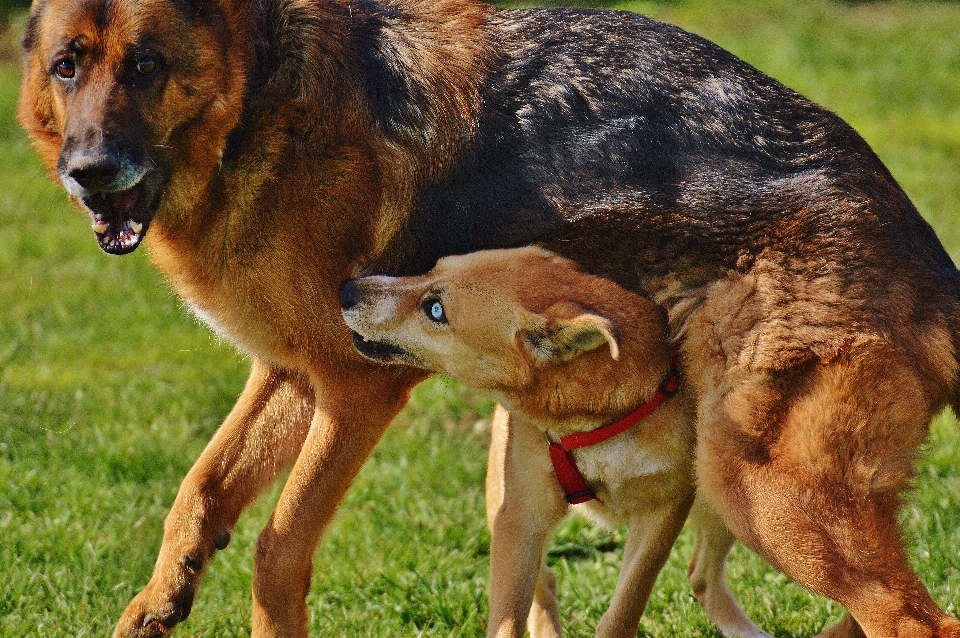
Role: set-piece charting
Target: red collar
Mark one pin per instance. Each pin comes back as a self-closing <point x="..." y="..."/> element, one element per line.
<point x="571" y="480"/>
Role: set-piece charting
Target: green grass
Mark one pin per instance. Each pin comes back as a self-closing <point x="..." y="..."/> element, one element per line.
<point x="108" y="391"/>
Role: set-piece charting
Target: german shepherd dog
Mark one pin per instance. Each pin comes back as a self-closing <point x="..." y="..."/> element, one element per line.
<point x="271" y="149"/>
<point x="586" y="364"/>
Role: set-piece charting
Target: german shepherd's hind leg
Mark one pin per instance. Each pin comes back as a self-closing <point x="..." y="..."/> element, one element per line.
<point x="354" y="405"/>
<point x="810" y="475"/>
<point x="707" y="579"/>
<point x="262" y="434"/>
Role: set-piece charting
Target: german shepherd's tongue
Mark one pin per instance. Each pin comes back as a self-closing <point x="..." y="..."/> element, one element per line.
<point x="117" y="232"/>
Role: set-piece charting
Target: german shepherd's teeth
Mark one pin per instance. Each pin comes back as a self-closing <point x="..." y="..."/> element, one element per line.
<point x="100" y="227"/>
<point x="136" y="226"/>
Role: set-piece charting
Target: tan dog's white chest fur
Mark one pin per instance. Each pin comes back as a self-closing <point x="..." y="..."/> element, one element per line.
<point x="642" y="466"/>
<point x="565" y="352"/>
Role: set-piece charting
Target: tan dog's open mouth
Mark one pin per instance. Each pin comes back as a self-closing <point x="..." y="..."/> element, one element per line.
<point x="380" y="350"/>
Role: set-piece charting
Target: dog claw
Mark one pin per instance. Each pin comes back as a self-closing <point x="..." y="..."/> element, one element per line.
<point x="151" y="626"/>
<point x="154" y="625"/>
<point x="161" y="625"/>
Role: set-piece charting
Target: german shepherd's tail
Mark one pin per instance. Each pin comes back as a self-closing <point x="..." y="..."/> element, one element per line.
<point x="953" y="320"/>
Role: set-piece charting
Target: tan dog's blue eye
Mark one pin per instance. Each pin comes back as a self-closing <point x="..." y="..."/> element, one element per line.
<point x="434" y="310"/>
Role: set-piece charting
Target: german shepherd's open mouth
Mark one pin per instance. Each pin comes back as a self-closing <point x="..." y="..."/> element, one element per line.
<point x="121" y="218"/>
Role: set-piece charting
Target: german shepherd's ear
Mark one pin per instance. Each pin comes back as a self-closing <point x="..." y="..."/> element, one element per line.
<point x="566" y="331"/>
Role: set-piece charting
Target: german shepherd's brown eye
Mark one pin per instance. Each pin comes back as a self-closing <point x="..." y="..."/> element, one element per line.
<point x="147" y="66"/>
<point x="433" y="308"/>
<point x="65" y="69"/>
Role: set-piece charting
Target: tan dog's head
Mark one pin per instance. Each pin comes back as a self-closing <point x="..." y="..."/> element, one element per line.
<point x="519" y="322"/>
<point x="129" y="99"/>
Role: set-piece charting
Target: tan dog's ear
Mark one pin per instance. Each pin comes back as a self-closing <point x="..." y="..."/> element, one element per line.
<point x="568" y="330"/>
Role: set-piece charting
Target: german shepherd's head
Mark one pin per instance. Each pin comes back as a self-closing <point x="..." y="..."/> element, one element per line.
<point x="121" y="95"/>
<point x="524" y="323"/>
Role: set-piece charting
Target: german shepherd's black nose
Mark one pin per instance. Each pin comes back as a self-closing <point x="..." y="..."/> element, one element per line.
<point x="94" y="172"/>
<point x="348" y="294"/>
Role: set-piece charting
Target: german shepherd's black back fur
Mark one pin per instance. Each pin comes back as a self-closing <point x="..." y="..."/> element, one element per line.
<point x="644" y="151"/>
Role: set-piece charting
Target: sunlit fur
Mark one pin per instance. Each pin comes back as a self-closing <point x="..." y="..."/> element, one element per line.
<point x="286" y="145"/>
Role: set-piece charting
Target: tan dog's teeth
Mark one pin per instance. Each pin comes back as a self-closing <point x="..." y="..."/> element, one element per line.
<point x="136" y="226"/>
<point x="100" y="228"/>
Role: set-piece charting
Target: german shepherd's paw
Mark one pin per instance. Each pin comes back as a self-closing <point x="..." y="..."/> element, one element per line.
<point x="848" y="628"/>
<point x="152" y="614"/>
<point x="949" y="628"/>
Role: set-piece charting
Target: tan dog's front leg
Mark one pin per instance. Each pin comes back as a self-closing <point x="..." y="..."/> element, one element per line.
<point x="544" y="618"/>
<point x="706" y="574"/>
<point x="524" y="505"/>
<point x="262" y="434"/>
<point x="353" y="408"/>
<point x="651" y="537"/>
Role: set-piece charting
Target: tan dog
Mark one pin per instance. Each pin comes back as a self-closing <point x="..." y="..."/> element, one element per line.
<point x="567" y="353"/>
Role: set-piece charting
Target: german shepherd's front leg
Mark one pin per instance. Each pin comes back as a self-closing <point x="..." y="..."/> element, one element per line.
<point x="263" y="433"/>
<point x="353" y="408"/>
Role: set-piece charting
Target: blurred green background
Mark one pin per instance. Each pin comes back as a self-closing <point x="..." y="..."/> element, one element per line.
<point x="109" y="390"/>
